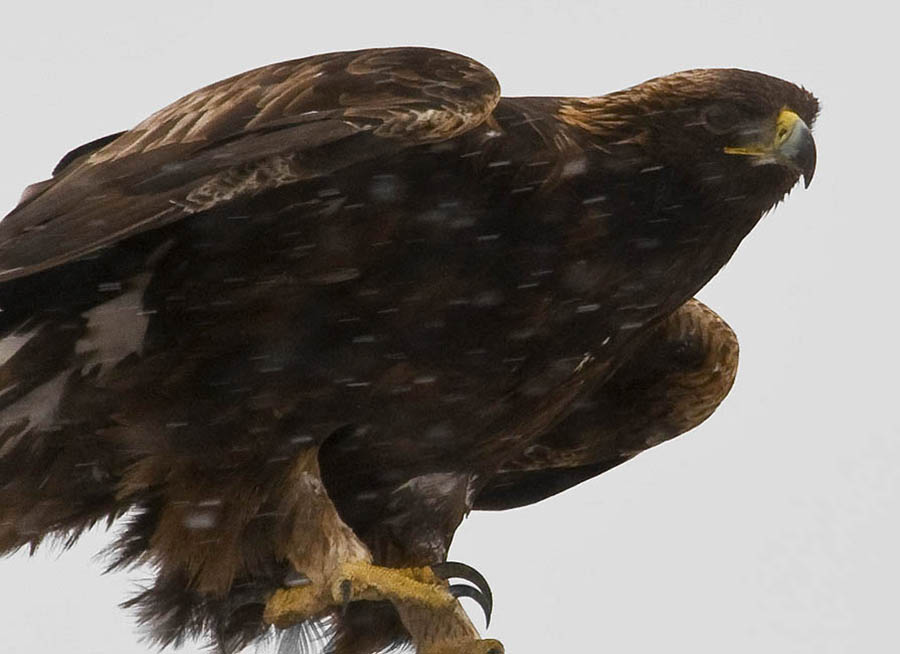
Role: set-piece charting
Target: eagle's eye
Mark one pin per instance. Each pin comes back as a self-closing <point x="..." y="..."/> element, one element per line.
<point x="720" y="118"/>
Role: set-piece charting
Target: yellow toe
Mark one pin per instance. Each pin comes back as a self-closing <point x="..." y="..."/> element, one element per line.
<point x="288" y="606"/>
<point x="407" y="585"/>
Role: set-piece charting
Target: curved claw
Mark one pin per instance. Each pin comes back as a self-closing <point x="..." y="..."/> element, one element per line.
<point x="484" y="601"/>
<point x="456" y="570"/>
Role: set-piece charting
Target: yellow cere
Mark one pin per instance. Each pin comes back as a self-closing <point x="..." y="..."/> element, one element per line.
<point x="784" y="125"/>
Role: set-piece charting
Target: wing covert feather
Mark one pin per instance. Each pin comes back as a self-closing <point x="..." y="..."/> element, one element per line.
<point x="243" y="135"/>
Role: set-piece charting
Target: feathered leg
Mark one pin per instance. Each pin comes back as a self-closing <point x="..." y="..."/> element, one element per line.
<point x="337" y="569"/>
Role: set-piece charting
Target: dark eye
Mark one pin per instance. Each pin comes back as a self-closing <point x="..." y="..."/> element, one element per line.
<point x="720" y="118"/>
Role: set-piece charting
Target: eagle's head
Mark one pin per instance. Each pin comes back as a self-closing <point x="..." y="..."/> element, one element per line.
<point x="747" y="131"/>
<point x="735" y="138"/>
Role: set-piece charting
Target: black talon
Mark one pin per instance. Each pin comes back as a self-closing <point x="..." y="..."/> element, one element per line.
<point x="456" y="570"/>
<point x="484" y="601"/>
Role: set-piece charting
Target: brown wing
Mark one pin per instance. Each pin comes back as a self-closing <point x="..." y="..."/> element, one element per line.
<point x="271" y="126"/>
<point x="675" y="381"/>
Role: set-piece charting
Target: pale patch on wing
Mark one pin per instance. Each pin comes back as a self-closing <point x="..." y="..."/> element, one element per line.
<point x="415" y="93"/>
<point x="11" y="344"/>
<point x="215" y="111"/>
<point x="439" y="483"/>
<point x="268" y="173"/>
<point x="116" y="328"/>
<point x="191" y="119"/>
<point x="37" y="410"/>
<point x="429" y="125"/>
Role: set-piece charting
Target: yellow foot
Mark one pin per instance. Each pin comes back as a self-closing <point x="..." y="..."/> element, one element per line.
<point x="354" y="581"/>
<point x="288" y="606"/>
<point x="427" y="604"/>
<point x="363" y="581"/>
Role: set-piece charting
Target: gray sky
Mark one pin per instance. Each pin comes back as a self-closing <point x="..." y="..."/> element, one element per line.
<point x="772" y="527"/>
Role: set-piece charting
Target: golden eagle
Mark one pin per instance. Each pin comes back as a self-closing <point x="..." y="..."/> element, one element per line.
<point x="298" y="323"/>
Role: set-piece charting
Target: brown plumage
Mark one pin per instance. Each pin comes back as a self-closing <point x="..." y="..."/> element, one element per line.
<point x="675" y="381"/>
<point x="312" y="315"/>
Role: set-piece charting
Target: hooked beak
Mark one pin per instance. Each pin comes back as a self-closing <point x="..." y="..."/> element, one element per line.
<point x="793" y="146"/>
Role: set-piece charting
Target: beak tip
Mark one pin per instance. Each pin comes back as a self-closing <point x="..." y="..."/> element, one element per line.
<point x="799" y="151"/>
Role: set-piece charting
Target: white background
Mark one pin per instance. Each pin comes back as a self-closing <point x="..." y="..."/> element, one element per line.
<point x="771" y="528"/>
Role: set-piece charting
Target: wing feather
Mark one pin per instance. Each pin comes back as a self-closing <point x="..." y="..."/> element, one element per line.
<point x="243" y="135"/>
